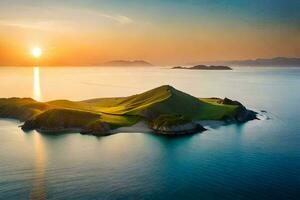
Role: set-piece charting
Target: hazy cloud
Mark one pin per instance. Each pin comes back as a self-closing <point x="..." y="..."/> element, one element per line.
<point x="54" y="17"/>
<point x="27" y="24"/>
<point x="117" y="18"/>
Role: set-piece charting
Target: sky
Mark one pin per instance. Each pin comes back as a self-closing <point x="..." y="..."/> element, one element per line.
<point x="165" y="32"/>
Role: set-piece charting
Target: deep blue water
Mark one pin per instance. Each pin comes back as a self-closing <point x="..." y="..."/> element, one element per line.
<point x="256" y="160"/>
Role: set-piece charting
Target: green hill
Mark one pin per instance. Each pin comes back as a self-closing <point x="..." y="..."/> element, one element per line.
<point x="21" y="108"/>
<point x="164" y="100"/>
<point x="164" y="103"/>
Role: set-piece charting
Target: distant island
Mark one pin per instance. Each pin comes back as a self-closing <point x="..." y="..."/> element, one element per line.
<point x="127" y="63"/>
<point x="260" y="62"/>
<point x="163" y="110"/>
<point x="205" y="67"/>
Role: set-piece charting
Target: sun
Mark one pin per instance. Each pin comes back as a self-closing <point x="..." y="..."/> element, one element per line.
<point x="36" y="52"/>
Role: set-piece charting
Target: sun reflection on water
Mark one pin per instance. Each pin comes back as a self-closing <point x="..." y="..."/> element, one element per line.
<point x="36" y="84"/>
<point x="38" y="183"/>
<point x="38" y="191"/>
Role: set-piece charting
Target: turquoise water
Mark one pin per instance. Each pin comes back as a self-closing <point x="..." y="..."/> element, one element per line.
<point x="256" y="160"/>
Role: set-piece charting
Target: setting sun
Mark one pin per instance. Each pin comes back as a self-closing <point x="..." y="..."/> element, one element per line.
<point x="36" y="52"/>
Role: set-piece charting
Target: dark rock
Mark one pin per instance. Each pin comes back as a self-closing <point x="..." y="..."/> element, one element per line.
<point x="178" y="67"/>
<point x="227" y="101"/>
<point x="29" y="125"/>
<point x="242" y="114"/>
<point x="211" y="67"/>
<point x="204" y="67"/>
<point x="98" y="129"/>
<point x="183" y="129"/>
<point x="174" y="125"/>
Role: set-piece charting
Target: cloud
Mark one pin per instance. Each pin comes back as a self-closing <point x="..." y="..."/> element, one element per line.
<point x="29" y="17"/>
<point x="122" y="19"/>
<point x="118" y="18"/>
<point x="27" y="24"/>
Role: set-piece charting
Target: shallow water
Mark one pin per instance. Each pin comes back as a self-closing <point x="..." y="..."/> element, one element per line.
<point x="257" y="160"/>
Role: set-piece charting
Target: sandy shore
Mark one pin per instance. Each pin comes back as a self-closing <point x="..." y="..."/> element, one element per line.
<point x="140" y="127"/>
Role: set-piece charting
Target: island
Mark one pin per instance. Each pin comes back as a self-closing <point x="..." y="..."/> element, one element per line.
<point x="127" y="63"/>
<point x="163" y="110"/>
<point x="258" y="62"/>
<point x="205" y="67"/>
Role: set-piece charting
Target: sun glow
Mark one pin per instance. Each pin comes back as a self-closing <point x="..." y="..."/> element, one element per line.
<point x="36" y="84"/>
<point x="36" y="52"/>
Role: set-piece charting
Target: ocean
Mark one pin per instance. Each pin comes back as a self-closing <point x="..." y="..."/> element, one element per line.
<point x="256" y="160"/>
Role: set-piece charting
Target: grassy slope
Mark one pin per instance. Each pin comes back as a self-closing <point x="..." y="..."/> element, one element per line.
<point x="212" y="110"/>
<point x="21" y="108"/>
<point x="123" y="111"/>
<point x="164" y="100"/>
<point x="111" y="118"/>
<point x="65" y="118"/>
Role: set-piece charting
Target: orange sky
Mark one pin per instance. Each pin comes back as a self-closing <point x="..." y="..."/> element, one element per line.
<point x="88" y="36"/>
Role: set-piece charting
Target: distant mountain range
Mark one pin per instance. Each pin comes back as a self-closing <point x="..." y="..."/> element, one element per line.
<point x="127" y="63"/>
<point x="262" y="62"/>
<point x="121" y="63"/>
<point x="278" y="61"/>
